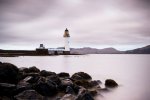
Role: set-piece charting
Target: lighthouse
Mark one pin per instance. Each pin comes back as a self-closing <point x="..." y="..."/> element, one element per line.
<point x="66" y="41"/>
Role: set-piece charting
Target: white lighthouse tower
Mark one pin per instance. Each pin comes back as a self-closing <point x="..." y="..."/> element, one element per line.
<point x="66" y="40"/>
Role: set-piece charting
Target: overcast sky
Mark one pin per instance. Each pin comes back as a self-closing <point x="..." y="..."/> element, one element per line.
<point x="123" y="24"/>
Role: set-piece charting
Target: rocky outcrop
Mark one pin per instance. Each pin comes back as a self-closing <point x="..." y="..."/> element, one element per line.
<point x="54" y="78"/>
<point x="33" y="69"/>
<point x="81" y="76"/>
<point x="46" y="87"/>
<point x="45" y="73"/>
<point x="63" y="75"/>
<point x="33" y="84"/>
<point x="29" y="95"/>
<point x="110" y="83"/>
<point x="8" y="73"/>
<point x="84" y="95"/>
<point x="7" y="89"/>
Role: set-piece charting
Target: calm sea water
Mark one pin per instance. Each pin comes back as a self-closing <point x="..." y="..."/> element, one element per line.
<point x="131" y="72"/>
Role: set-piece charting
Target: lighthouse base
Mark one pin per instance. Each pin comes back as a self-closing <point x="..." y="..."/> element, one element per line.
<point x="66" y="52"/>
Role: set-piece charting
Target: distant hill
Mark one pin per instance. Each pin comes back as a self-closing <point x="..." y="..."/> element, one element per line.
<point x="88" y="50"/>
<point x="85" y="50"/>
<point x="143" y="50"/>
<point x="109" y="51"/>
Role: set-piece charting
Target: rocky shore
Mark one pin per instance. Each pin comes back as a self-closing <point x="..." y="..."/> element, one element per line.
<point x="33" y="84"/>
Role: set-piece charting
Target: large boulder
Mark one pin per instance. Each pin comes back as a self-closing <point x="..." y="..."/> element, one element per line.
<point x="23" y="69"/>
<point x="68" y="86"/>
<point x="76" y="88"/>
<point x="8" y="73"/>
<point x="63" y="75"/>
<point x="95" y="82"/>
<point x="29" y="95"/>
<point x="110" y="83"/>
<point x="33" y="69"/>
<point x="22" y="86"/>
<point x="24" y="72"/>
<point x="69" y="90"/>
<point x="46" y="87"/>
<point x="54" y="78"/>
<point x="81" y="76"/>
<point x="87" y="84"/>
<point x="31" y="79"/>
<point x="31" y="74"/>
<point x="84" y="95"/>
<point x="45" y="73"/>
<point x="7" y="89"/>
<point x="83" y="83"/>
<point x="64" y="84"/>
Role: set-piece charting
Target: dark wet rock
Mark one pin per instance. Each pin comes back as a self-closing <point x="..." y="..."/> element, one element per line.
<point x="87" y="84"/>
<point x="72" y="88"/>
<point x="21" y="88"/>
<point x="66" y="82"/>
<point x="84" y="83"/>
<point x="95" y="82"/>
<point x="63" y="75"/>
<point x="8" y="73"/>
<point x="23" y="84"/>
<point x="29" y="95"/>
<point x="46" y="88"/>
<point x="110" y="83"/>
<point x="24" y="69"/>
<point x="7" y="89"/>
<point x="45" y="73"/>
<point x="28" y="78"/>
<point x="21" y="76"/>
<point x="33" y="69"/>
<point x="81" y="76"/>
<point x="33" y="84"/>
<point x="68" y="97"/>
<point x="31" y="74"/>
<point x="69" y="90"/>
<point x="6" y="98"/>
<point x="54" y="78"/>
<point x="84" y="95"/>
<point x="76" y="88"/>
<point x="31" y="79"/>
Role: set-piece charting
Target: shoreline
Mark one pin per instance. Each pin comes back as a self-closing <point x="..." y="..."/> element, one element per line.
<point x="17" y="55"/>
<point x="32" y="83"/>
<point x="13" y="55"/>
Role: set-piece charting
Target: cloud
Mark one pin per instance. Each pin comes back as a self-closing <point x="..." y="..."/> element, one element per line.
<point x="110" y="22"/>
